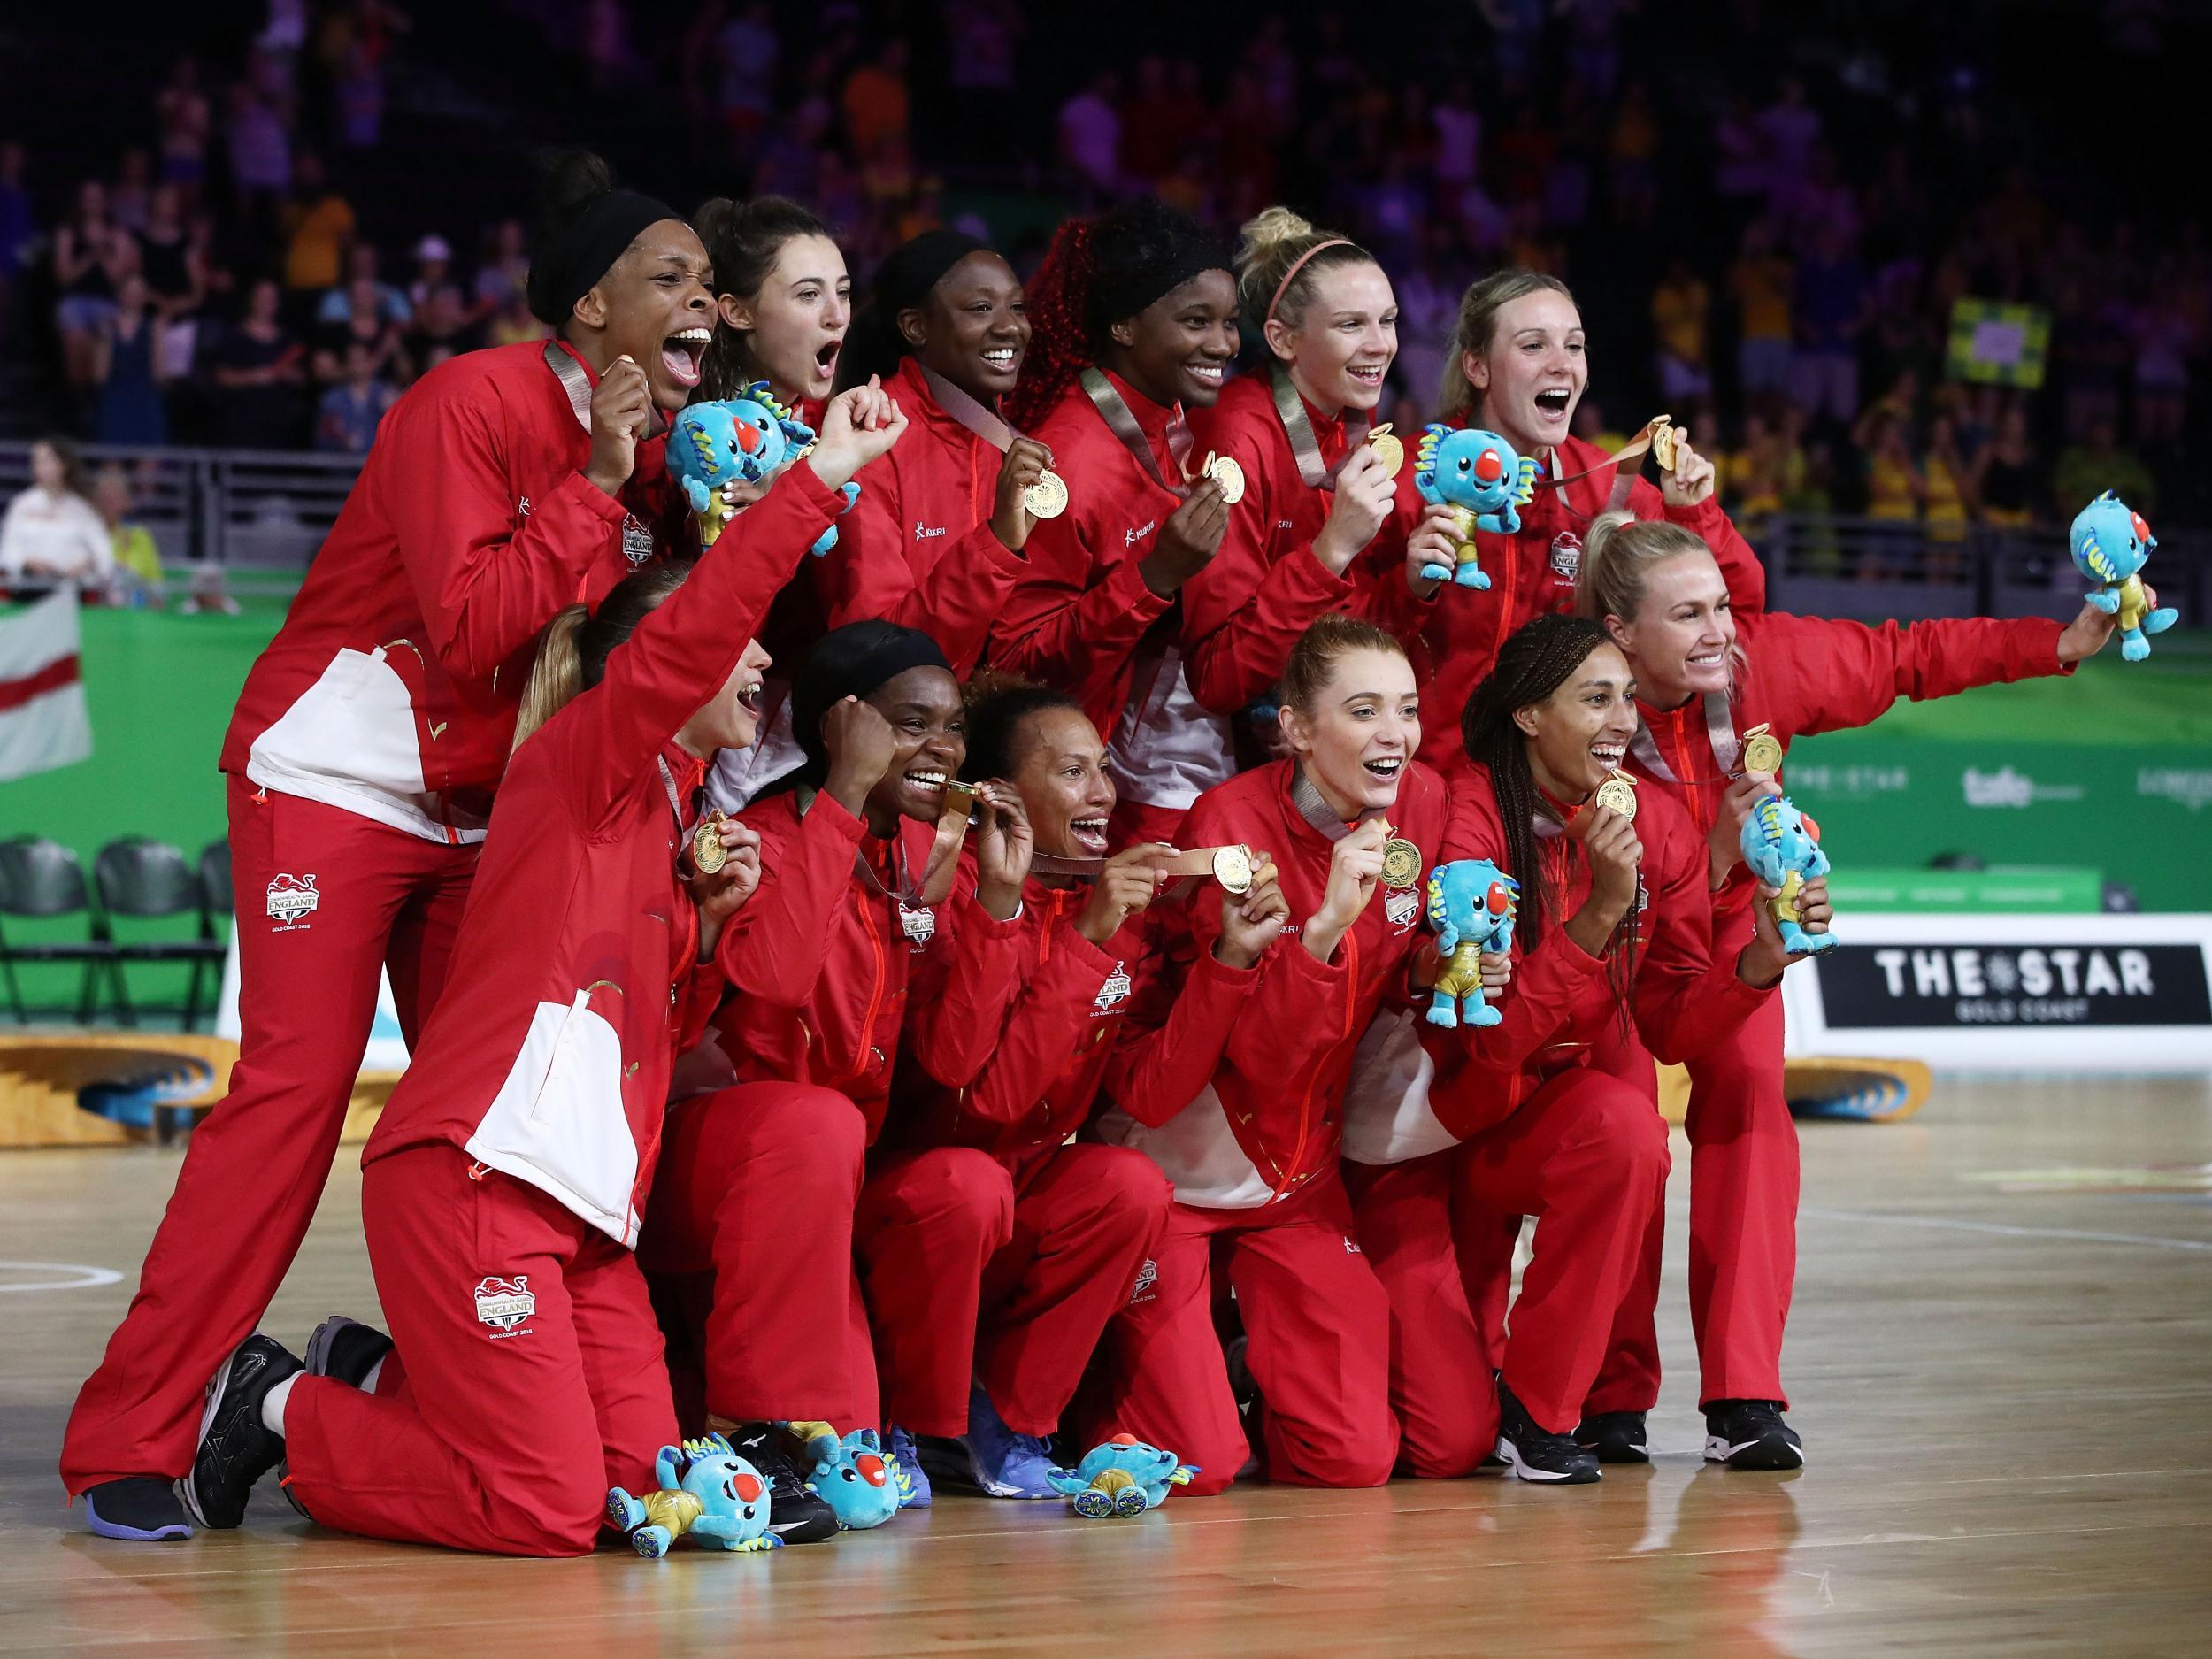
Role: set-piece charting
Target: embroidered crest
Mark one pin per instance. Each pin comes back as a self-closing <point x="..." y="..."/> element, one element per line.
<point x="292" y="898"/>
<point x="1566" y="555"/>
<point x="1148" y="1276"/>
<point x="918" y="922"/>
<point x="1115" y="990"/>
<point x="637" y="540"/>
<point x="506" y="1305"/>
<point x="1403" y="906"/>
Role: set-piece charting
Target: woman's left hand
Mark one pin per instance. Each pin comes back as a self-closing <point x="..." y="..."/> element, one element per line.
<point x="2090" y="632"/>
<point x="1692" y="479"/>
<point x="1003" y="843"/>
<point x="1433" y="541"/>
<point x="722" y="895"/>
<point x="1764" y="960"/>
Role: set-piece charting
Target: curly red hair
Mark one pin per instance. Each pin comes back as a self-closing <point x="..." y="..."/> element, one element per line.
<point x="1059" y="301"/>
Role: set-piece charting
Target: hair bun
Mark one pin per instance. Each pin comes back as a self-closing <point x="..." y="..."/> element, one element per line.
<point x="1267" y="234"/>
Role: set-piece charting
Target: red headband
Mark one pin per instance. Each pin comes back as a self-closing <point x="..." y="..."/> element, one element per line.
<point x="1296" y="266"/>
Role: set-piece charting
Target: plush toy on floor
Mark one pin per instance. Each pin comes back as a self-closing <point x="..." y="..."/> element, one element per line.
<point x="1471" y="906"/>
<point x="1782" y="847"/>
<point x="2111" y="545"/>
<point x="1477" y="474"/>
<point x="850" y="1475"/>
<point x="708" y="1491"/>
<point x="1122" y="1477"/>
<point x="739" y="440"/>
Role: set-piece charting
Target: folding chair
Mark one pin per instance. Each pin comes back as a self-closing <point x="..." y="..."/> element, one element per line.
<point x="41" y="879"/>
<point x="148" y="879"/>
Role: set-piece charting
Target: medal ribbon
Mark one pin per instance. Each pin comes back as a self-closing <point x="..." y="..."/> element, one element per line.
<point x="985" y="423"/>
<point x="1123" y="424"/>
<point x="1625" y="480"/>
<point x="1054" y="865"/>
<point x="1317" y="812"/>
<point x="577" y="384"/>
<point x="1720" y="731"/>
<point x="944" y="852"/>
<point x="1290" y="409"/>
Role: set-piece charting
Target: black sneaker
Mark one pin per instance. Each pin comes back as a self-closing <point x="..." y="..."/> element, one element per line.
<point x="235" y="1449"/>
<point x="144" y="1508"/>
<point x="345" y="1350"/>
<point x="1537" y="1453"/>
<point x="795" y="1514"/>
<point x="1750" y="1434"/>
<point x="1616" y="1437"/>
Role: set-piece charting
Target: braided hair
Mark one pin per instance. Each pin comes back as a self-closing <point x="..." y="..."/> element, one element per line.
<point x="1096" y="273"/>
<point x="1533" y="663"/>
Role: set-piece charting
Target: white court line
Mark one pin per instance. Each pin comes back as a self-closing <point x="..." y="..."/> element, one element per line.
<point x="1951" y="1225"/>
<point x="86" y="1279"/>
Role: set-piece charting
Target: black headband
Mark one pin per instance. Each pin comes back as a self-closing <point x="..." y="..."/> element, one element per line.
<point x="569" y="260"/>
<point x="854" y="661"/>
<point x="1124" y="294"/>
<point x="912" y="269"/>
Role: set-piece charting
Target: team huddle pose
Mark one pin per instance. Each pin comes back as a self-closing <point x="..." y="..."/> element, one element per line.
<point x="965" y="986"/>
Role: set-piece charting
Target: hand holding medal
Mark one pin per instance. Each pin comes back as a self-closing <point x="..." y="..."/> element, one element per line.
<point x="1126" y="883"/>
<point x="1028" y="490"/>
<point x="1253" y="919"/>
<point x="1003" y="844"/>
<point x="1686" y="478"/>
<point x="719" y="866"/>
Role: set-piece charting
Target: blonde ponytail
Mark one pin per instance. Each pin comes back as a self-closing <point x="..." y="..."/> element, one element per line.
<point x="1279" y="256"/>
<point x="557" y="674"/>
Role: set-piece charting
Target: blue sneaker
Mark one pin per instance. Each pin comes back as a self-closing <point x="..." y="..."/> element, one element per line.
<point x="906" y="1469"/>
<point x="1004" y="1463"/>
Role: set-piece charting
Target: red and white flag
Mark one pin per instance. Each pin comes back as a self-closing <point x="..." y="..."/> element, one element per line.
<point x="44" y="720"/>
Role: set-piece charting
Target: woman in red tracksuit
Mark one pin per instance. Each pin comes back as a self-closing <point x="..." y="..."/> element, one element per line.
<point x="1253" y="1154"/>
<point x="1314" y="493"/>
<point x="360" y="765"/>
<point x="1512" y="1120"/>
<point x="503" y="1188"/>
<point x="865" y="944"/>
<point x="1706" y="678"/>
<point x="1135" y="322"/>
<point x="1517" y="367"/>
<point x="1084" y="1215"/>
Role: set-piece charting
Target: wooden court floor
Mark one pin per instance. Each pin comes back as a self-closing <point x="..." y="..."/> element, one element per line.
<point x="2001" y="1359"/>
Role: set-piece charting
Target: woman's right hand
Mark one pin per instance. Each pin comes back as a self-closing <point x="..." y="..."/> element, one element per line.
<point x="1434" y="541"/>
<point x="859" y="424"/>
<point x="1252" y="920"/>
<point x="1026" y="461"/>
<point x="1187" y="542"/>
<point x="1365" y="491"/>
<point x="1616" y="855"/>
<point x="1724" y="842"/>
<point x="621" y="410"/>
<point x="1128" y="882"/>
<point x="861" y="744"/>
<point x="1355" y="867"/>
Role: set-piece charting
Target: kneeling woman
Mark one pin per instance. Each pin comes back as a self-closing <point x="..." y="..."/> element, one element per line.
<point x="1253" y="1154"/>
<point x="502" y="1189"/>
<point x="1084" y="1216"/>
<point x="1613" y="929"/>
<point x="860" y="943"/>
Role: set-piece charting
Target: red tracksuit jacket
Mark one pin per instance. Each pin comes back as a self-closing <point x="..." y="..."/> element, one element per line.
<point x="823" y="973"/>
<point x="390" y="690"/>
<point x="1456" y="632"/>
<point x="1562" y="1002"/>
<point x="917" y="547"/>
<point x="1244" y="611"/>
<point x="1267" y="1121"/>
<point x="547" y="1056"/>
<point x="1806" y="674"/>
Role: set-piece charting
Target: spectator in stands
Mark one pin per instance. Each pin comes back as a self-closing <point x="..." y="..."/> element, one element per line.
<point x="364" y="324"/>
<point x="747" y="51"/>
<point x="346" y="422"/>
<point x="1830" y="314"/>
<point x="505" y="267"/>
<point x="2097" y="463"/>
<point x="1740" y="154"/>
<point x="1945" y="504"/>
<point x="2165" y="338"/>
<point x="1634" y="148"/>
<point x="19" y="223"/>
<point x="1788" y="128"/>
<point x="1680" y="306"/>
<point x="260" y="149"/>
<point x="1896" y="489"/>
<point x="433" y="269"/>
<point x="181" y="113"/>
<point x="2004" y="481"/>
<point x="875" y="102"/>
<point x="1761" y="283"/>
<point x="361" y="267"/>
<point x="127" y="369"/>
<point x="136" y="556"/>
<point x="318" y="224"/>
<point x="258" y="370"/>
<point x="1755" y="476"/>
<point x="512" y="323"/>
<point x="50" y="531"/>
<point x="982" y="39"/>
<point x="441" y="329"/>
<point x="1090" y="137"/>
<point x="92" y="254"/>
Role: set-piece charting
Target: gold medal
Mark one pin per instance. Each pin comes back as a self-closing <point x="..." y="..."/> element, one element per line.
<point x="1617" y="793"/>
<point x="1384" y="443"/>
<point x="1232" y="869"/>
<point x="1662" y="449"/>
<point x="1761" y="751"/>
<point x="1224" y="471"/>
<point x="1401" y="863"/>
<point x="956" y="801"/>
<point x="1048" y="497"/>
<point x="707" y="854"/>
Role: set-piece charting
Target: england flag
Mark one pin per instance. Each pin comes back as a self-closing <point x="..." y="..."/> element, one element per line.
<point x="44" y="721"/>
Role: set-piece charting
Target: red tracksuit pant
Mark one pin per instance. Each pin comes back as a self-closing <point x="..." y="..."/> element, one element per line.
<point x="1743" y="1220"/>
<point x="1586" y="1155"/>
<point x="256" y="1166"/>
<point x="504" y="1434"/>
<point x="1317" y="1342"/>
<point x="958" y="1269"/>
<point x="973" y="1271"/>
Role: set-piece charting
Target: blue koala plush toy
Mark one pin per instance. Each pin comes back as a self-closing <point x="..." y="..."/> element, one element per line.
<point x="851" y="1475"/>
<point x="1477" y="474"/>
<point x="739" y="440"/>
<point x="1471" y="905"/>
<point x="707" y="1490"/>
<point x="1125" y="1476"/>
<point x="2110" y="544"/>
<point x="1782" y="847"/>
